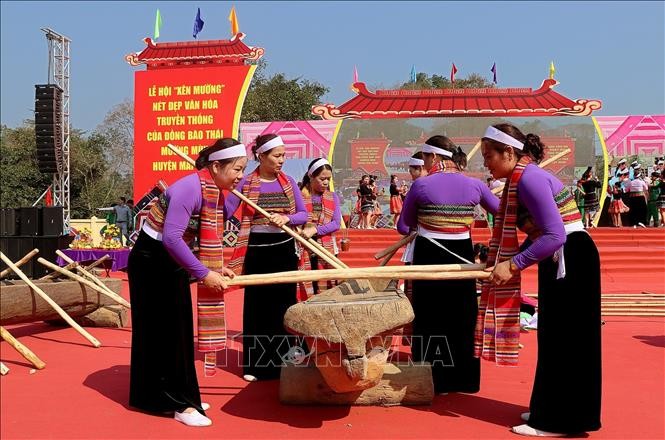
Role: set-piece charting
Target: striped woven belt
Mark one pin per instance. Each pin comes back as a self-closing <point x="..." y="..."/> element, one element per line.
<point x="637" y="194"/>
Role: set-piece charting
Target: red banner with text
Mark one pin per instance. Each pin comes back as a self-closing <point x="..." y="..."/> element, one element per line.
<point x="188" y="107"/>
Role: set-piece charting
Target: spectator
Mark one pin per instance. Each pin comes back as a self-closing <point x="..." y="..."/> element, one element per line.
<point x="123" y="217"/>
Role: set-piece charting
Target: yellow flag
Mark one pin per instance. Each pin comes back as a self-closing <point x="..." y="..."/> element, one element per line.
<point x="552" y="70"/>
<point x="234" y="21"/>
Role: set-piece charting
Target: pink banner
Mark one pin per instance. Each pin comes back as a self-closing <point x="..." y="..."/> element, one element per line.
<point x="642" y="135"/>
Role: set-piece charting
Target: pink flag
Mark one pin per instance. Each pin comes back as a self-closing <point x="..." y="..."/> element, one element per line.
<point x="355" y="74"/>
<point x="453" y="71"/>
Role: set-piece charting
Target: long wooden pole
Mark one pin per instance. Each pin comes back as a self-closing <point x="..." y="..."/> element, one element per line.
<point x="3" y="369"/>
<point x="325" y="255"/>
<point x="73" y="265"/>
<point x="420" y="272"/>
<point x="84" y="272"/>
<point x="473" y="151"/>
<point x="114" y="296"/>
<point x="543" y="164"/>
<point x="22" y="349"/>
<point x="20" y="262"/>
<point x="395" y="246"/>
<point x="52" y="303"/>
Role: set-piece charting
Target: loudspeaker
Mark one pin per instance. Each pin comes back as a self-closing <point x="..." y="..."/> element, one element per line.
<point x="48" y="127"/>
<point x="52" y="221"/>
<point x="29" y="221"/>
<point x="15" y="248"/>
<point x="8" y="225"/>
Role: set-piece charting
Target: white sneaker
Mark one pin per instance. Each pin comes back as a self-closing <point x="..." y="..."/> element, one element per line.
<point x="250" y="378"/>
<point x="193" y="418"/>
<point x="525" y="416"/>
<point x="641" y="225"/>
<point x="533" y="432"/>
<point x="205" y="406"/>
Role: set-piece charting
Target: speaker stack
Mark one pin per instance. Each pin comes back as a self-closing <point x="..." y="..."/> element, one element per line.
<point x="48" y="127"/>
<point x="23" y="229"/>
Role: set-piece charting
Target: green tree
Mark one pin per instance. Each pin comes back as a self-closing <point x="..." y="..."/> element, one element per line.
<point x="278" y="98"/>
<point x="22" y="183"/>
<point x="424" y="82"/>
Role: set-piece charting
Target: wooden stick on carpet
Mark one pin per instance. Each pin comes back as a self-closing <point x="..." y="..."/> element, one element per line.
<point x="52" y="303"/>
<point x="71" y="266"/>
<point x="20" y="262"/>
<point x="114" y="296"/>
<point x="22" y="349"/>
<point x="85" y="273"/>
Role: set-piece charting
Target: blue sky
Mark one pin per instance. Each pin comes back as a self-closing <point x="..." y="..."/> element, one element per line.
<point x="613" y="51"/>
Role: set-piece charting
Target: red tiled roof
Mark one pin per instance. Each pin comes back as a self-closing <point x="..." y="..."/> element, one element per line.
<point x="457" y="102"/>
<point x="195" y="52"/>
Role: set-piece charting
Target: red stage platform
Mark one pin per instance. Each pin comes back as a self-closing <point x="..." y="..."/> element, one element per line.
<point x="83" y="391"/>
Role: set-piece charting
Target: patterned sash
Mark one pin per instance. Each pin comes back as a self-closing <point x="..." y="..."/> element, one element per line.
<point x="327" y="241"/>
<point x="252" y="189"/>
<point x="210" y="304"/>
<point x="498" y="325"/>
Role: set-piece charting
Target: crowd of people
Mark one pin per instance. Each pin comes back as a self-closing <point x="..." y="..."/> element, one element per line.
<point x="636" y="195"/>
<point x="454" y="327"/>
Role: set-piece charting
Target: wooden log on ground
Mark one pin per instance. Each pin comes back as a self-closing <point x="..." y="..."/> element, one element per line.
<point x="401" y="384"/>
<point x="20" y="304"/>
<point x="52" y="303"/>
<point x="3" y="369"/>
<point x="20" y="262"/>
<point x="22" y="349"/>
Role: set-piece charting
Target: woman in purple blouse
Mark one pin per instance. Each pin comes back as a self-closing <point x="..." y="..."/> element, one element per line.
<point x="566" y="393"/>
<point x="440" y="207"/>
<point x="162" y="372"/>
<point x="263" y="247"/>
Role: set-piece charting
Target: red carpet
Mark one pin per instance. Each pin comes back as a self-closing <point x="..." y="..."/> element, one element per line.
<point x="82" y="392"/>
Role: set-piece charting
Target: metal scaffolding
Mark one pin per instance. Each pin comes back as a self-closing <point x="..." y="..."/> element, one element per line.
<point x="58" y="73"/>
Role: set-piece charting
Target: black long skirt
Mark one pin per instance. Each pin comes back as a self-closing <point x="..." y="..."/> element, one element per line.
<point x="162" y="372"/>
<point x="445" y="319"/>
<point x="567" y="389"/>
<point x="638" y="210"/>
<point x="265" y="341"/>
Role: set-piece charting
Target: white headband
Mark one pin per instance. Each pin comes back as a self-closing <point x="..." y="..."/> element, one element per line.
<point x="634" y="163"/>
<point x="637" y="167"/>
<point x="427" y="148"/>
<point x="621" y="161"/>
<point x="660" y="162"/>
<point x="227" y="153"/>
<point x="414" y="162"/>
<point x="624" y="172"/>
<point x="316" y="165"/>
<point x="500" y="136"/>
<point x="272" y="143"/>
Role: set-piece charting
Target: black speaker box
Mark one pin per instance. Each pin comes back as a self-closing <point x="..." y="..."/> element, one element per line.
<point x="52" y="221"/>
<point x="15" y="248"/>
<point x="47" y="91"/>
<point x="29" y="221"/>
<point x="8" y="224"/>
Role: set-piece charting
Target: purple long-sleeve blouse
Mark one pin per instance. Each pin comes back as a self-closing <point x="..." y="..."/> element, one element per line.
<point x="336" y="221"/>
<point x="444" y="189"/>
<point x="299" y="218"/>
<point x="536" y="191"/>
<point x="184" y="200"/>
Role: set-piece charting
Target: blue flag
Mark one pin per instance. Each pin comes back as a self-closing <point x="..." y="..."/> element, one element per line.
<point x="198" y="23"/>
<point x="413" y="73"/>
<point x="493" y="70"/>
